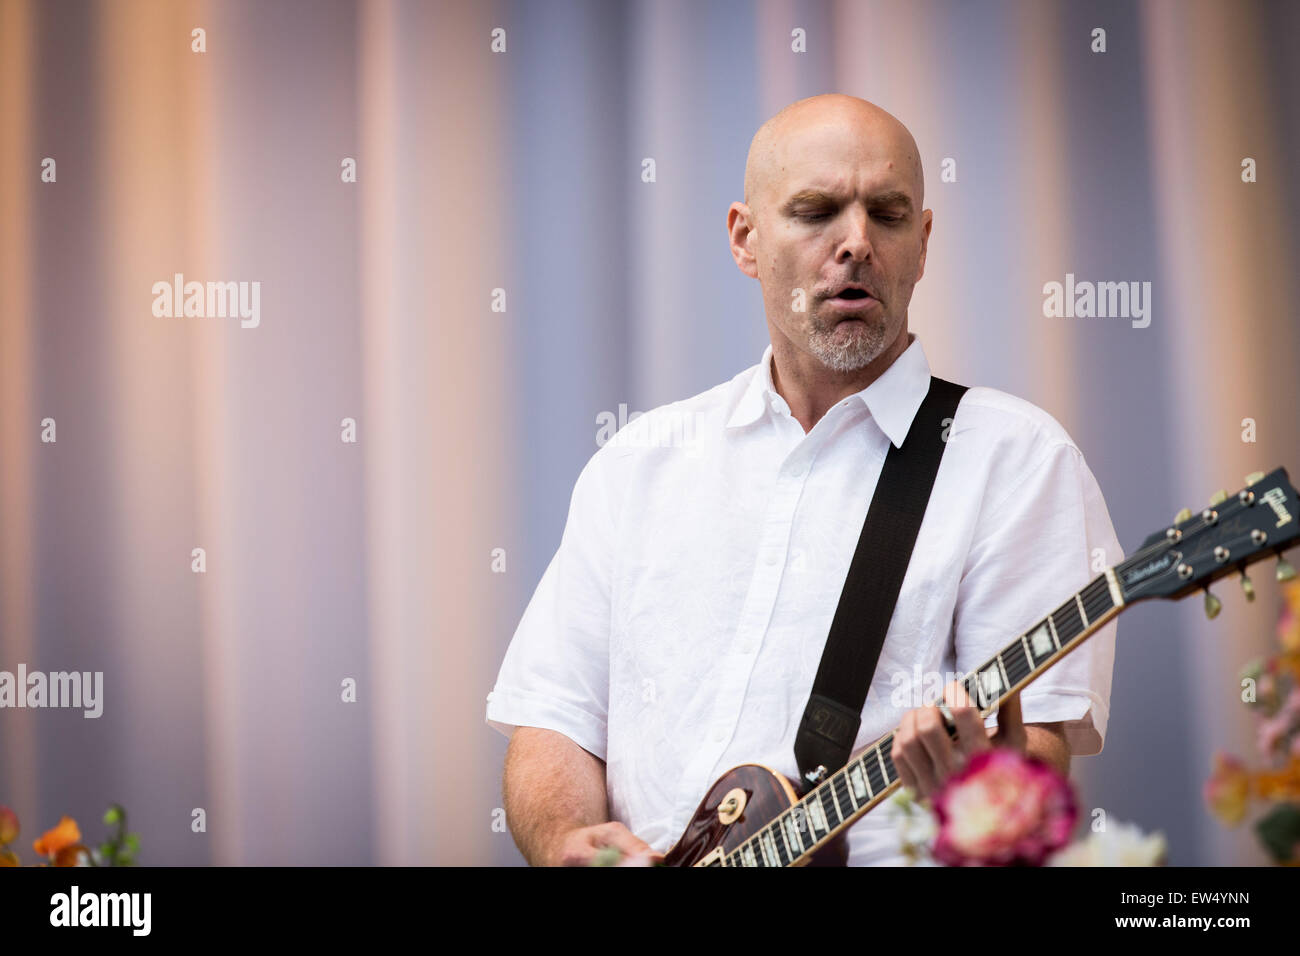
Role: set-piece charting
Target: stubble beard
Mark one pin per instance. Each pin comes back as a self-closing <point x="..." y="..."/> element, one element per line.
<point x="847" y="346"/>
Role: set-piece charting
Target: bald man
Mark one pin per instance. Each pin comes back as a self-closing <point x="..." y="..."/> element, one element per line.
<point x="677" y="631"/>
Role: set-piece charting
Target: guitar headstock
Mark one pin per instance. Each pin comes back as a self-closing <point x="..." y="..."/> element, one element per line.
<point x="1232" y="532"/>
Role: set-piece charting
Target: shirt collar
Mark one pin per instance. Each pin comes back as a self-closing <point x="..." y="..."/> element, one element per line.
<point x="892" y="399"/>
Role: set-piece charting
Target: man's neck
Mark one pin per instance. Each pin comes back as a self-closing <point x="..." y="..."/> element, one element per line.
<point x="810" y="388"/>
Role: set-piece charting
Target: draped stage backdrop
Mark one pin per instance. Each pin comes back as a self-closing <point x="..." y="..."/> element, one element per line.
<point x="372" y="560"/>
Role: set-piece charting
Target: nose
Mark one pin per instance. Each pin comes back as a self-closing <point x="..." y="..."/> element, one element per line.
<point x="856" y="244"/>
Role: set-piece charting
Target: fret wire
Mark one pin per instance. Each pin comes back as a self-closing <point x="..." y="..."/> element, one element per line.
<point x="782" y="832"/>
<point x="843" y="795"/>
<point x="835" y="819"/>
<point x="1014" y="650"/>
<point x="771" y="852"/>
<point x="848" y="789"/>
<point x="866" y="774"/>
<point x="882" y="751"/>
<point x="1066" y="623"/>
<point x="1099" y="605"/>
<point x="778" y="839"/>
<point x="835" y="797"/>
<point x="875" y="769"/>
<point x="1002" y="671"/>
<point x="793" y="835"/>
<point x="808" y="832"/>
<point x="891" y="772"/>
<point x="1099" y="587"/>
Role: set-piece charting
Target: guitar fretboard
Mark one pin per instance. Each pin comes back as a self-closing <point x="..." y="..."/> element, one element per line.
<point x="844" y="796"/>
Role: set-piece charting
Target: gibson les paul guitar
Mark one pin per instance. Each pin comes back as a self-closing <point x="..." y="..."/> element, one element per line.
<point x="754" y="816"/>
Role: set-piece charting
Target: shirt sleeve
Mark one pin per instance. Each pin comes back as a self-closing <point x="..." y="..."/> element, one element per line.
<point x="1049" y="535"/>
<point x="555" y="674"/>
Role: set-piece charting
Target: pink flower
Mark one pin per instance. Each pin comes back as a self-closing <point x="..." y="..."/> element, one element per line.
<point x="1003" y="808"/>
<point x="1274" y="731"/>
<point x="1265" y="685"/>
<point x="1271" y="732"/>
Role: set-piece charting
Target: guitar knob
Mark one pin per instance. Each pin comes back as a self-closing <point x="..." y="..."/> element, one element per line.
<point x="1219" y="497"/>
<point x="1182" y="516"/>
<point x="1212" y="605"/>
<point x="1254" y="477"/>
<point x="1285" y="569"/>
<point x="1247" y="587"/>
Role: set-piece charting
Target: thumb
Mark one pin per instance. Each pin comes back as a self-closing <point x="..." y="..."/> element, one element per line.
<point x="1011" y="725"/>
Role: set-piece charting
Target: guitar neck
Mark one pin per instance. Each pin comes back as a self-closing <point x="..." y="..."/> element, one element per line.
<point x="843" y="797"/>
<point x="1190" y="554"/>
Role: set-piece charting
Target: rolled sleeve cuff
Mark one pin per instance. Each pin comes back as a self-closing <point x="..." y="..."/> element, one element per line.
<point x="1082" y="711"/>
<point x="508" y="709"/>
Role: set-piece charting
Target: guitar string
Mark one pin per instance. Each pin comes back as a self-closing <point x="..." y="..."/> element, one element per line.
<point x="1094" y="605"/>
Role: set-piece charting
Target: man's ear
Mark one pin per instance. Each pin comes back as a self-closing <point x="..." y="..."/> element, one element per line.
<point x="927" y="220"/>
<point x="740" y="232"/>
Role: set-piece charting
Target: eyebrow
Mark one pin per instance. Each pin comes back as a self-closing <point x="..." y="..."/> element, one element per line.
<point x="893" y="197"/>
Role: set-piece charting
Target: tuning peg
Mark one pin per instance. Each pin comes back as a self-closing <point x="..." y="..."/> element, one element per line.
<point x="1182" y="516"/>
<point x="1212" y="605"/>
<point x="1285" y="569"/>
<point x="1247" y="587"/>
<point x="1254" y="477"/>
<point x="1219" y="497"/>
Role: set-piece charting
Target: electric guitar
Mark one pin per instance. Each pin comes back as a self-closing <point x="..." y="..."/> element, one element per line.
<point x="753" y="816"/>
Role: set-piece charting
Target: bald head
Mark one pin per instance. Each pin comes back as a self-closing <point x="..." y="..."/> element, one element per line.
<point x="834" y="197"/>
<point x="781" y="141"/>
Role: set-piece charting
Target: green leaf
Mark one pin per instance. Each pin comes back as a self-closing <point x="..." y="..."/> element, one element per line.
<point x="113" y="815"/>
<point x="1279" y="831"/>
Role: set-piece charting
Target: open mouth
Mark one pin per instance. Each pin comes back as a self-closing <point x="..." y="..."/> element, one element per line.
<point x="852" y="297"/>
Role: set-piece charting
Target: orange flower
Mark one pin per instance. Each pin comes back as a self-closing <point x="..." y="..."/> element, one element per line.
<point x="1228" y="789"/>
<point x="1281" y="784"/>
<point x="1288" y="630"/>
<point x="1291" y="593"/>
<point x="74" y="855"/>
<point x="64" y="835"/>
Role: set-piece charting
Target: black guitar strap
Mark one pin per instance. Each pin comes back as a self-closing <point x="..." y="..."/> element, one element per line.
<point x="834" y="712"/>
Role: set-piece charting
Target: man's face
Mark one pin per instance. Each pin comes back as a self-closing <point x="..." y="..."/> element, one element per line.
<point x="839" y="206"/>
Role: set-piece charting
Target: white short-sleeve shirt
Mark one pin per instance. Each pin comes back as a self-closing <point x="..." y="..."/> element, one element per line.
<point x="678" y="628"/>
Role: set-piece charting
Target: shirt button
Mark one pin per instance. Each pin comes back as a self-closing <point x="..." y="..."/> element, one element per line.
<point x="720" y="734"/>
<point x="770" y="559"/>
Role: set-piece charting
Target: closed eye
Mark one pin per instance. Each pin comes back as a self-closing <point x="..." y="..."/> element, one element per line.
<point x="814" y="217"/>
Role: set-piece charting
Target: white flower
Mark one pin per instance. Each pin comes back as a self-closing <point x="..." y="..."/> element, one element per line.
<point x="1120" y="844"/>
<point x="916" y="824"/>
